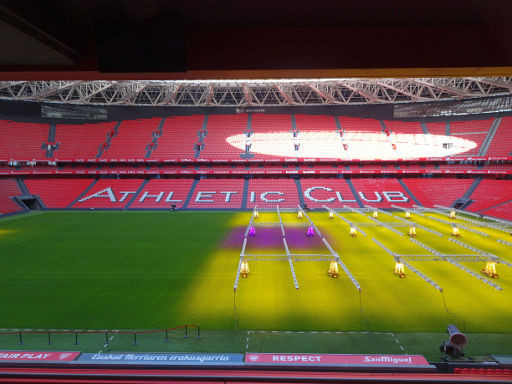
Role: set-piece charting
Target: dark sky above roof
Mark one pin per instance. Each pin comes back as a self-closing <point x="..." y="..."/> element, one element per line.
<point x="260" y="35"/>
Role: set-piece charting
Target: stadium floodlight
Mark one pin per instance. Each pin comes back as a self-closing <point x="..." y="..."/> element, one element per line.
<point x="412" y="231"/>
<point x="452" y="214"/>
<point x="490" y="270"/>
<point x="399" y="269"/>
<point x="454" y="345"/>
<point x="455" y="231"/>
<point x="333" y="269"/>
<point x="244" y="269"/>
<point x="407" y="214"/>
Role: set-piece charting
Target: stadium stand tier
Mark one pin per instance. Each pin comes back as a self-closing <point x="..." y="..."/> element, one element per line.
<point x="270" y="128"/>
<point x="57" y="193"/>
<point x="170" y="151"/>
<point x="503" y="211"/>
<point x="220" y="128"/>
<point x="109" y="193"/>
<point x="163" y="193"/>
<point x="133" y="137"/>
<point x="218" y="193"/>
<point x="268" y="193"/>
<point x="475" y="130"/>
<point x="490" y="193"/>
<point x="333" y="193"/>
<point x="23" y="141"/>
<point x="432" y="192"/>
<point x="382" y="193"/>
<point x="501" y="144"/>
<point x="77" y="141"/>
<point x="178" y="137"/>
<point x="8" y="188"/>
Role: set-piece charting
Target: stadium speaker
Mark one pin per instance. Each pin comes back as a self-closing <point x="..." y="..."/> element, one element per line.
<point x="129" y="45"/>
<point x="457" y="338"/>
<point x="454" y="345"/>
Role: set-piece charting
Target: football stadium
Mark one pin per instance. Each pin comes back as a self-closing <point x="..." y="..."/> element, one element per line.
<point x="258" y="228"/>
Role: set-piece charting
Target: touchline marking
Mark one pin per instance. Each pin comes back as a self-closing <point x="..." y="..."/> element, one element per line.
<point x="106" y="344"/>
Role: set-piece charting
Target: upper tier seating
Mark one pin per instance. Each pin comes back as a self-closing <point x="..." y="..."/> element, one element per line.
<point x="501" y="144"/>
<point x="219" y="129"/>
<point x="382" y="193"/>
<point x="333" y="193"/>
<point x="8" y="188"/>
<point x="436" y="128"/>
<point x="179" y="136"/>
<point x="132" y="139"/>
<point x="162" y="193"/>
<point x="359" y="124"/>
<point x="109" y="193"/>
<point x="432" y="192"/>
<point x="57" y="193"/>
<point x="81" y="141"/>
<point x="474" y="130"/>
<point x="315" y="123"/>
<point x="224" y="138"/>
<point x="22" y="141"/>
<point x="404" y="127"/>
<point x="218" y="193"/>
<point x="267" y="193"/>
<point x="269" y="128"/>
<point x="311" y="128"/>
<point x="490" y="193"/>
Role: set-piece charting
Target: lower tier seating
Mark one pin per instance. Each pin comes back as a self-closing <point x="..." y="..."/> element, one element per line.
<point x="491" y="197"/>
<point x="163" y="193"/>
<point x="267" y="193"/>
<point x="109" y="193"/>
<point x="57" y="193"/>
<point x="432" y="192"/>
<point x="218" y="193"/>
<point x="490" y="193"/>
<point x="8" y="188"/>
<point x="382" y="193"/>
<point x="333" y="193"/>
<point x="503" y="211"/>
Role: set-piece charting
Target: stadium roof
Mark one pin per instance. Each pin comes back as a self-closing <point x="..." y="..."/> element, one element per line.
<point x="257" y="93"/>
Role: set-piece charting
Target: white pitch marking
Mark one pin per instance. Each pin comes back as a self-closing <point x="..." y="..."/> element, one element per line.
<point x="106" y="344"/>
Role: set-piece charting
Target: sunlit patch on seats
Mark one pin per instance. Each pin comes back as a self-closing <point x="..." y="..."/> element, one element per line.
<point x="361" y="145"/>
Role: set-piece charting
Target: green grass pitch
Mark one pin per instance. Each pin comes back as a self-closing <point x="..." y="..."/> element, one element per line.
<point x="151" y="270"/>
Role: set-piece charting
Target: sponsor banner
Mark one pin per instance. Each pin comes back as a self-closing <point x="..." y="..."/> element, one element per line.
<point x="37" y="356"/>
<point x="162" y="358"/>
<point x="257" y="171"/>
<point x="352" y="360"/>
<point x="272" y="160"/>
